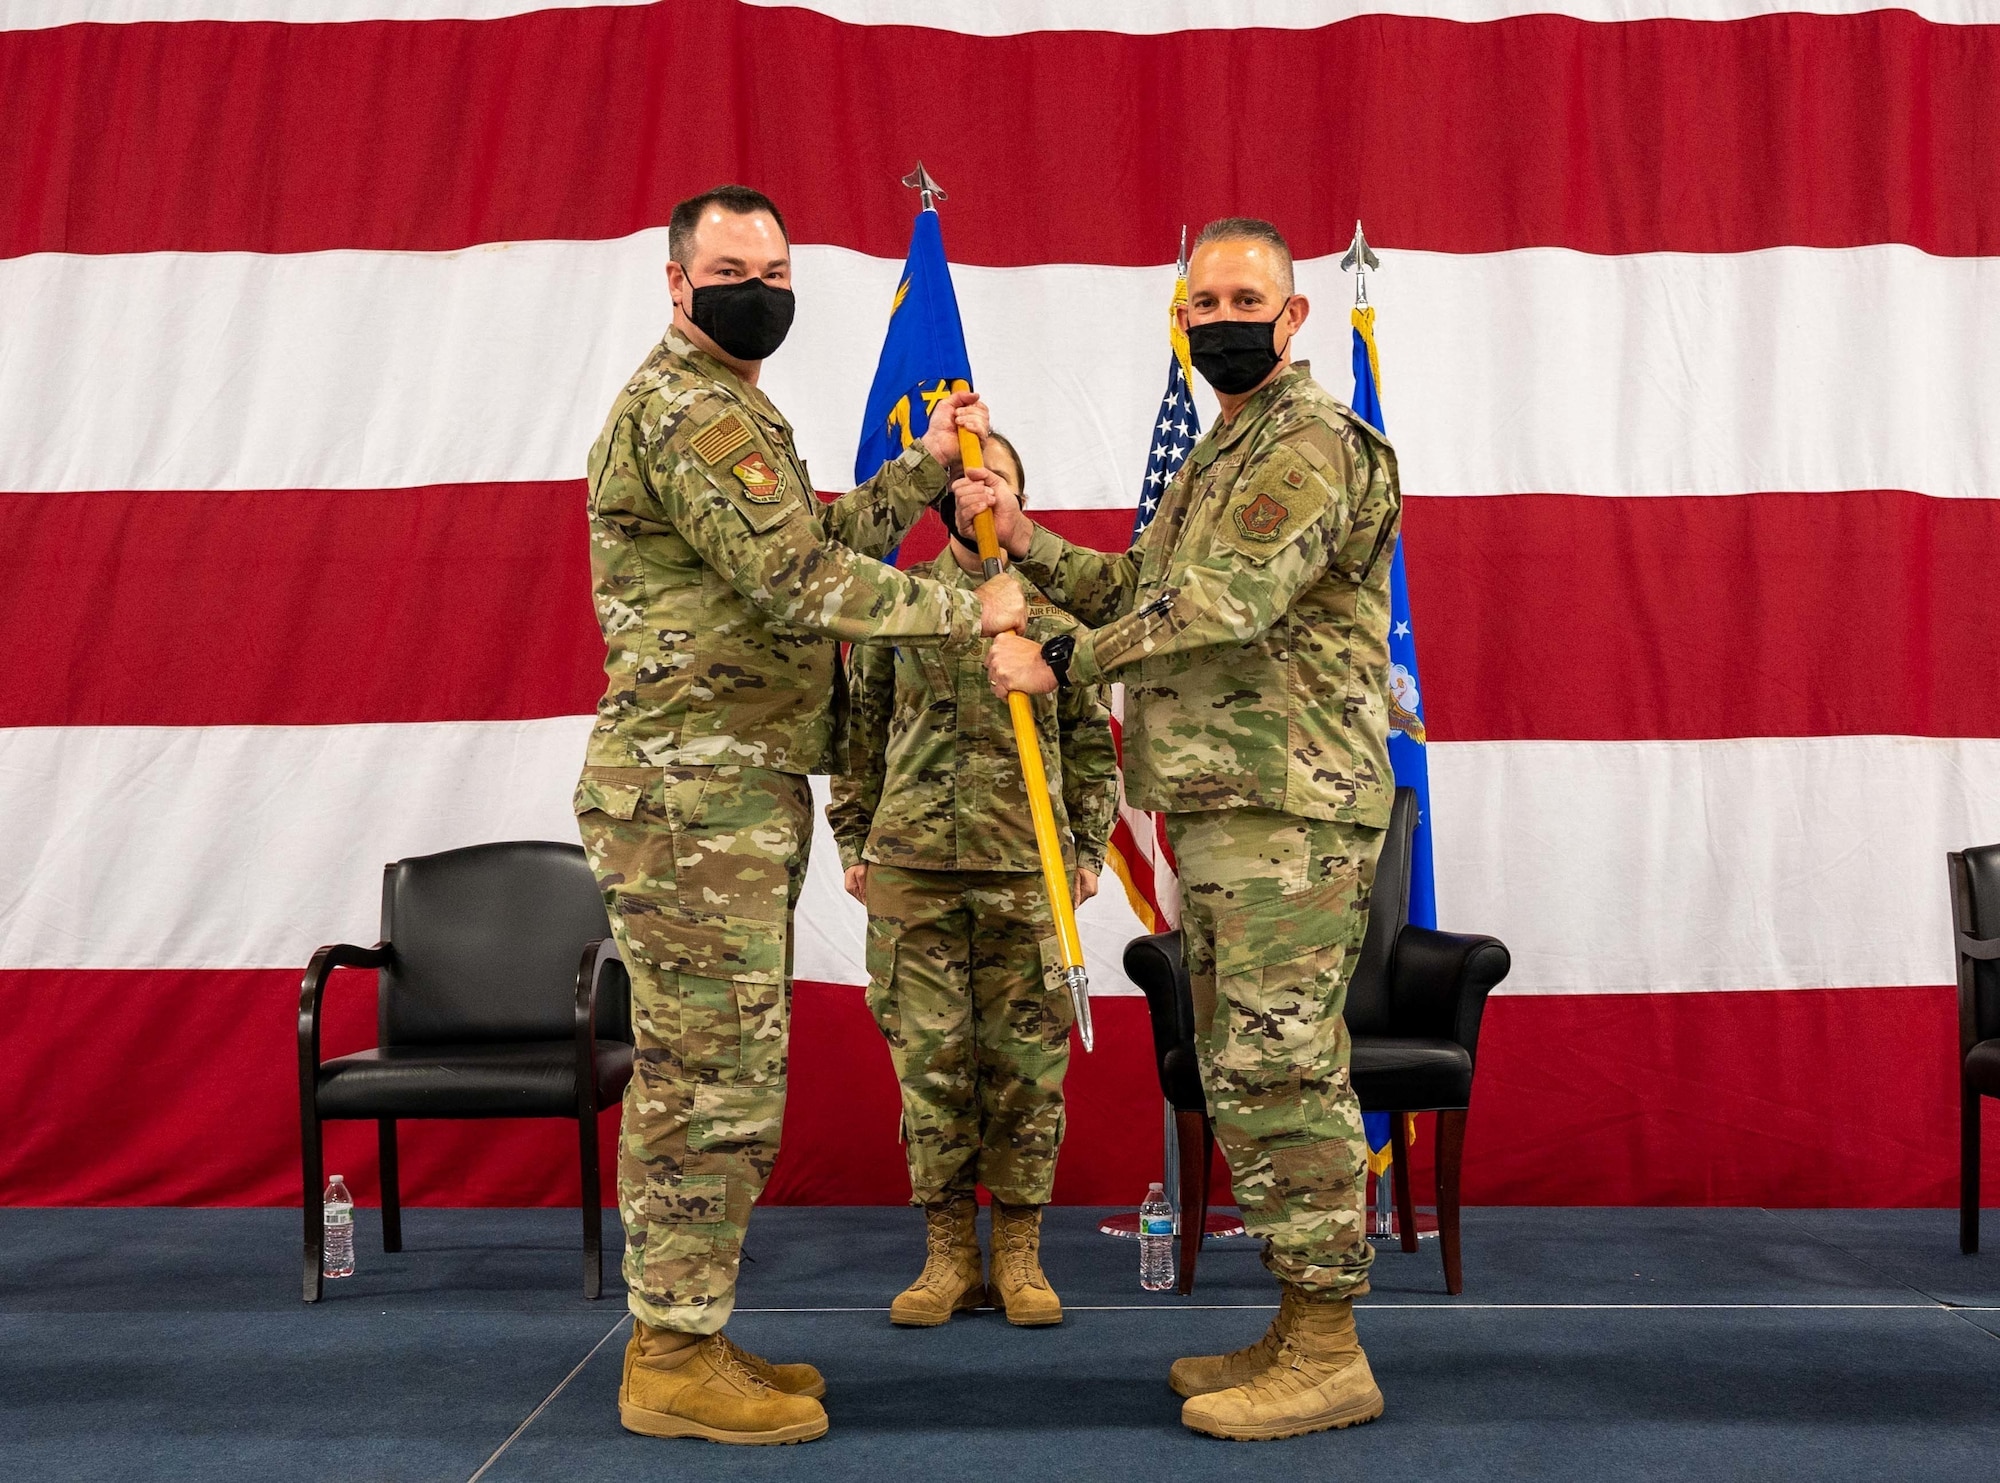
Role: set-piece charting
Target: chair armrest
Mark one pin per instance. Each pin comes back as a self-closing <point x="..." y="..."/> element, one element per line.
<point x="1985" y="949"/>
<point x="1440" y="984"/>
<point x="599" y="958"/>
<point x="313" y="988"/>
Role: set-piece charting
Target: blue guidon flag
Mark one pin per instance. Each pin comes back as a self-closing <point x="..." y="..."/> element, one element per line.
<point x="923" y="354"/>
<point x="1406" y="702"/>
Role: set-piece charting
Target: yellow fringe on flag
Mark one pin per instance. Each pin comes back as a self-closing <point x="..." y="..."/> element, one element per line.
<point x="1364" y="321"/>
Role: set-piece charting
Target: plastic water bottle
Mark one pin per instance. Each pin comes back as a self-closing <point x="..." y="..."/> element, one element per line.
<point x="1156" y="1240"/>
<point x="337" y="1255"/>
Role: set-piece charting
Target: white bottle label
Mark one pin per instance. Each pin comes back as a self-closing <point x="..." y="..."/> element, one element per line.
<point x="1156" y="1225"/>
<point x="340" y="1215"/>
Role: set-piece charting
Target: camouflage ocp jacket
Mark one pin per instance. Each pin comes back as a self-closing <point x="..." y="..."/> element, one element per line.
<point x="723" y="584"/>
<point x="1250" y="621"/>
<point x="932" y="779"/>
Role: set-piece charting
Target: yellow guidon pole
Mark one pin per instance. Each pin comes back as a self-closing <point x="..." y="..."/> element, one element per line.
<point x="1028" y="742"/>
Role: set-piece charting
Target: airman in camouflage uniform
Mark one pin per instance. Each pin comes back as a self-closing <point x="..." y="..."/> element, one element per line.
<point x="723" y="586"/>
<point x="1250" y="625"/>
<point x="933" y="824"/>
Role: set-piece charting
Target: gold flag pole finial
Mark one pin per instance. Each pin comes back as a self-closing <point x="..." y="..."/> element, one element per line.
<point x="1360" y="260"/>
<point x="930" y="192"/>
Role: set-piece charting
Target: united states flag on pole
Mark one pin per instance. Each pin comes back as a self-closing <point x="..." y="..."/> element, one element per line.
<point x="1138" y="850"/>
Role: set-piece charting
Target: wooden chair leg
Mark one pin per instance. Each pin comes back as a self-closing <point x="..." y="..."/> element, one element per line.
<point x="392" y="1194"/>
<point x="1195" y="1139"/>
<point x="1399" y="1175"/>
<point x="1968" y="1169"/>
<point x="1450" y="1157"/>
<point x="593" y="1209"/>
<point x="313" y="1184"/>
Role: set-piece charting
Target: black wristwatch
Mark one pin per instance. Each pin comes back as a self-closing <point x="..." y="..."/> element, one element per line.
<point x="1056" y="654"/>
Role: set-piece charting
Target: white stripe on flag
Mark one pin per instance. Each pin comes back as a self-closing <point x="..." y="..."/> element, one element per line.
<point x="1539" y="371"/>
<point x="1605" y="866"/>
<point x="1812" y="862"/>
<point x="249" y="846"/>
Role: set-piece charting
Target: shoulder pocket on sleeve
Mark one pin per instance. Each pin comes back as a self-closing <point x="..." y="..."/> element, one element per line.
<point x="739" y="465"/>
<point x="1283" y="495"/>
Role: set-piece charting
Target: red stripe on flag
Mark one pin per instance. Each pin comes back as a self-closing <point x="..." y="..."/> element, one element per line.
<point x="298" y="607"/>
<point x="1637" y="1092"/>
<point x="1668" y="135"/>
<point x="1537" y="616"/>
<point x="1564" y="617"/>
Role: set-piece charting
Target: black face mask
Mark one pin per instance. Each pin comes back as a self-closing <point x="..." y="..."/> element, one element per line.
<point x="947" y="508"/>
<point x="1233" y="355"/>
<point x="748" y="320"/>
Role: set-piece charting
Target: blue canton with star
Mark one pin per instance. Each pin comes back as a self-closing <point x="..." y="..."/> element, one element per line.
<point x="1174" y="432"/>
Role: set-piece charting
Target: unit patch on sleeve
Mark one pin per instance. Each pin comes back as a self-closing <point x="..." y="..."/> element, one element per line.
<point x="760" y="482"/>
<point x="720" y="438"/>
<point x="1261" y="518"/>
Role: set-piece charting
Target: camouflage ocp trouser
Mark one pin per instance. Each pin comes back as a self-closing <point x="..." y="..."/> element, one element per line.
<point x="1274" y="910"/>
<point x="701" y="867"/>
<point x="961" y="980"/>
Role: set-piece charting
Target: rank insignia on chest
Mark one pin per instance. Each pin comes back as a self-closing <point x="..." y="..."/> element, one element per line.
<point x="759" y="481"/>
<point x="1261" y="518"/>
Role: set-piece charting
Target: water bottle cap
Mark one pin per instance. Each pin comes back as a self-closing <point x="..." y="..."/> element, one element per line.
<point x="1155" y="1186"/>
<point x="333" y="1179"/>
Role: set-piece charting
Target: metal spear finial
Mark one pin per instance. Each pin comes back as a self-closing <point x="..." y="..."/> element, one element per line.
<point x="920" y="180"/>
<point x="1360" y="260"/>
<point x="1181" y="262"/>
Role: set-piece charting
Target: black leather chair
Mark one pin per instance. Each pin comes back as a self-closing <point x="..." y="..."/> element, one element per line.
<point x="1413" y="1009"/>
<point x="499" y="994"/>
<point x="1975" y="922"/>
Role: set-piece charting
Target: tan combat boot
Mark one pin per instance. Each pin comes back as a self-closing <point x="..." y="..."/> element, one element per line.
<point x="953" y="1278"/>
<point x="1318" y="1380"/>
<point x="1200" y="1374"/>
<point x="1018" y="1283"/>
<point x="687" y="1385"/>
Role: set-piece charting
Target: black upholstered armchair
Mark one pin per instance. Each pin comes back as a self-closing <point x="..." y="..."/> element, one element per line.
<point x="499" y="994"/>
<point x="1413" y="1009"/>
<point x="1975" y="922"/>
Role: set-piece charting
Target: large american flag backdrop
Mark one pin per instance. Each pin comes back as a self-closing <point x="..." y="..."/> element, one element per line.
<point x="309" y="310"/>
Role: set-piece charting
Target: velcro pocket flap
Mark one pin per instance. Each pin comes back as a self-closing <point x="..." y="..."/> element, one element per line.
<point x="1281" y="931"/>
<point x="713" y="944"/>
<point x="607" y="795"/>
<point x="691" y="1200"/>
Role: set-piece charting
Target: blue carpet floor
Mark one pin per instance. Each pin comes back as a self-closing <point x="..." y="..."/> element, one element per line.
<point x="1590" y="1344"/>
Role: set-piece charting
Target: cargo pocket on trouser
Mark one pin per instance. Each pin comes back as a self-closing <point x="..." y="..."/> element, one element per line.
<point x="683" y="1247"/>
<point x="1274" y="1061"/>
<point x="1315" y="1222"/>
<point x="883" y="935"/>
<point x="729" y="1075"/>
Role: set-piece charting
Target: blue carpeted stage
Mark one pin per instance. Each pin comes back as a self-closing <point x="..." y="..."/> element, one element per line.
<point x="1591" y="1344"/>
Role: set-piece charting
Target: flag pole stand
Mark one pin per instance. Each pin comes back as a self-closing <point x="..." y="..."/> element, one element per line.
<point x="1126" y="1226"/>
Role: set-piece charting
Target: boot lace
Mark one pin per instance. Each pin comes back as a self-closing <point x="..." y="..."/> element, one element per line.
<point x="1017" y="1254"/>
<point x="729" y="1362"/>
<point x="940" y="1253"/>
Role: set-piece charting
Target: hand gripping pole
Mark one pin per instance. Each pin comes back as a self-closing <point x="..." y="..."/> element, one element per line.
<point x="1027" y="741"/>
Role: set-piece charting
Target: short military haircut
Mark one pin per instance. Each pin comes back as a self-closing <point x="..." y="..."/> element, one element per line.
<point x="1251" y="229"/>
<point x="739" y="200"/>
